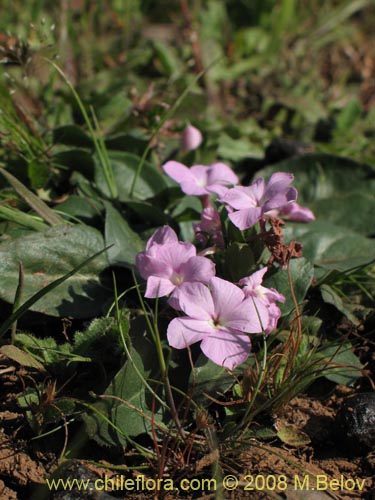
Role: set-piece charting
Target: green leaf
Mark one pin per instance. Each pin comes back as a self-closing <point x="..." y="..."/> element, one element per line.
<point x="302" y="272"/>
<point x="209" y="378"/>
<point x="22" y="218"/>
<point x="238" y="149"/>
<point x="80" y="207"/>
<point x="39" y="173"/>
<point x="291" y="435"/>
<point x="130" y="411"/>
<point x="239" y="261"/>
<point x="330" y="246"/>
<point x="336" y="189"/>
<point x="348" y="116"/>
<point x="131" y="143"/>
<point x="47" y="350"/>
<point x="21" y="357"/>
<point x="150" y="212"/>
<point x="77" y="160"/>
<point x="331" y="297"/>
<point x="31" y="199"/>
<point x="124" y="166"/>
<point x="72" y="135"/>
<point x="47" y="258"/>
<point x="125" y="242"/>
<point x="343" y="366"/>
<point x="85" y="342"/>
<point x="169" y="62"/>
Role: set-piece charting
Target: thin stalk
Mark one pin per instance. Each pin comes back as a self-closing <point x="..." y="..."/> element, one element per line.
<point x="17" y="300"/>
<point x="257" y="387"/>
<point x="154" y="331"/>
<point x="126" y="341"/>
<point x="105" y="162"/>
<point x="99" y="145"/>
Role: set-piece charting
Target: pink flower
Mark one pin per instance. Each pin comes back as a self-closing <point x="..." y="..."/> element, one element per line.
<point x="296" y="213"/>
<point x="167" y="263"/>
<point x="220" y="317"/>
<point x="191" y="138"/>
<point x="254" y="202"/>
<point x="209" y="226"/>
<point x="201" y="180"/>
<point x="252" y="287"/>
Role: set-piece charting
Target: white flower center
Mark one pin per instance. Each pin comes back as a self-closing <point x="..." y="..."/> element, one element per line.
<point x="177" y="279"/>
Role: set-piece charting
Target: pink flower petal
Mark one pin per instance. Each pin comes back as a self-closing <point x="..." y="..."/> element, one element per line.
<point x="297" y="213"/>
<point x="149" y="266"/>
<point x="251" y="282"/>
<point x="281" y="199"/>
<point x="243" y="219"/>
<point x="186" y="177"/>
<point x="279" y="181"/>
<point x="177" y="171"/>
<point x="240" y="197"/>
<point x="191" y="138"/>
<point x="158" y="287"/>
<point x="219" y="177"/>
<point x="251" y="317"/>
<point x="274" y="316"/>
<point x="273" y="295"/>
<point x="183" y="332"/>
<point x="226" y="348"/>
<point x="196" y="301"/>
<point x="198" y="269"/>
<point x="226" y="297"/>
<point x="163" y="235"/>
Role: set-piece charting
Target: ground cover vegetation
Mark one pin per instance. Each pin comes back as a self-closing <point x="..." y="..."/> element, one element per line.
<point x="187" y="251"/>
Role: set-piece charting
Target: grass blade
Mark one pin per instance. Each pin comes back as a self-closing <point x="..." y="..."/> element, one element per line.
<point x="32" y="200"/>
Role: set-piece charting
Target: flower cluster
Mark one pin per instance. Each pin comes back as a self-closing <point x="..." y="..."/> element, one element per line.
<point x="217" y="313"/>
<point x="246" y="204"/>
<point x="168" y="263"/>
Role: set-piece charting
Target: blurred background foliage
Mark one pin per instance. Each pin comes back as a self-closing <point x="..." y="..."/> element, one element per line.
<point x="299" y="71"/>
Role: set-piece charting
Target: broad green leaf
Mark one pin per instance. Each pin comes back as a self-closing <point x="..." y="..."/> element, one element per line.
<point x="72" y="135"/>
<point x="343" y="366"/>
<point x="330" y="246"/>
<point x="77" y="160"/>
<point x="131" y="409"/>
<point x="131" y="143"/>
<point x="124" y="165"/>
<point x="81" y="207"/>
<point x="188" y="208"/>
<point x="238" y="149"/>
<point x="331" y="297"/>
<point x="302" y="272"/>
<point x="48" y="256"/>
<point x="336" y="189"/>
<point x="125" y="242"/>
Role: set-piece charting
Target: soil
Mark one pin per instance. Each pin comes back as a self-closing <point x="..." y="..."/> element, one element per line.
<point x="24" y="466"/>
